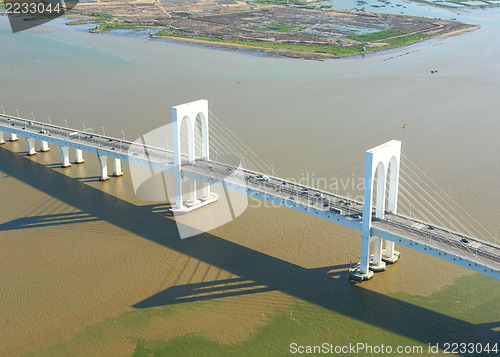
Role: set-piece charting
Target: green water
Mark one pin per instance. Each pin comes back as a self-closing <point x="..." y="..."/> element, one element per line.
<point x="463" y="304"/>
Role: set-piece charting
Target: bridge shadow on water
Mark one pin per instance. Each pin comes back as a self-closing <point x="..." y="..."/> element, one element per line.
<point x="257" y="272"/>
<point x="48" y="220"/>
<point x="237" y="286"/>
<point x="89" y="179"/>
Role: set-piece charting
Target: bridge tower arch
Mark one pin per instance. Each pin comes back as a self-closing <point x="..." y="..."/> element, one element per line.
<point x="201" y="135"/>
<point x="189" y="114"/>
<point x="202" y="138"/>
<point x="379" y="161"/>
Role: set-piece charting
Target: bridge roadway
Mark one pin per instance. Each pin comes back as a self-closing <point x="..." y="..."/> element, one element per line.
<point x="476" y="254"/>
<point x="89" y="141"/>
<point x="438" y="241"/>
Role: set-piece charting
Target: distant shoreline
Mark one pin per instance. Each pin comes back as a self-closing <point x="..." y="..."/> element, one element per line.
<point x="273" y="32"/>
<point x="283" y="52"/>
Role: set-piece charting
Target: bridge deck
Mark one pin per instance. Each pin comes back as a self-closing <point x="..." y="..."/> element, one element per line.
<point x="395" y="226"/>
<point x="411" y="232"/>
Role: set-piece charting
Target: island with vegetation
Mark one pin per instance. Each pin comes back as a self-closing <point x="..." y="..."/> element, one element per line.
<point x="302" y="30"/>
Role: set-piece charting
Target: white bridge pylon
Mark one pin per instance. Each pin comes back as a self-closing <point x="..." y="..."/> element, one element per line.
<point x="190" y="114"/>
<point x="379" y="161"/>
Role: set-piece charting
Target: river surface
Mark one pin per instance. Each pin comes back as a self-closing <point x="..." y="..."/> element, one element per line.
<point x="81" y="260"/>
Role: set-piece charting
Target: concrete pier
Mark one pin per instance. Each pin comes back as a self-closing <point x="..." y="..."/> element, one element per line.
<point x="205" y="195"/>
<point x="377" y="265"/>
<point x="13" y="137"/>
<point x="118" y="168"/>
<point x="189" y="208"/>
<point x="192" y="195"/>
<point x="79" y="157"/>
<point x="65" y="156"/>
<point x="356" y="274"/>
<point x="2" y="141"/>
<point x="391" y="256"/>
<point x="31" y="146"/>
<point x="103" y="162"/>
<point x="45" y="147"/>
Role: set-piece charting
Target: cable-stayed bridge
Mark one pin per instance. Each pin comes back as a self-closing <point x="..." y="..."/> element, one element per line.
<point x="221" y="159"/>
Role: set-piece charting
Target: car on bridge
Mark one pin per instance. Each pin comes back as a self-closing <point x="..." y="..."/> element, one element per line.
<point x="335" y="210"/>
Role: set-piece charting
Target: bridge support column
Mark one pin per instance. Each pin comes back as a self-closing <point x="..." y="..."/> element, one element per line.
<point x="2" y="141"/>
<point x="118" y="168"/>
<point x="31" y="146"/>
<point x="13" y="137"/>
<point x="79" y="157"/>
<point x="103" y="162"/>
<point x="65" y="156"/>
<point x="390" y="256"/>
<point x="377" y="161"/>
<point x="45" y="147"/>
<point x="178" y="189"/>
<point x="192" y="194"/>
<point x="363" y="272"/>
<point x="377" y="264"/>
<point x="205" y="193"/>
<point x="389" y="248"/>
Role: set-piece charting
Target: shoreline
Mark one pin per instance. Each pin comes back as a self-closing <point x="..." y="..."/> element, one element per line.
<point x="278" y="52"/>
<point x="282" y="52"/>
